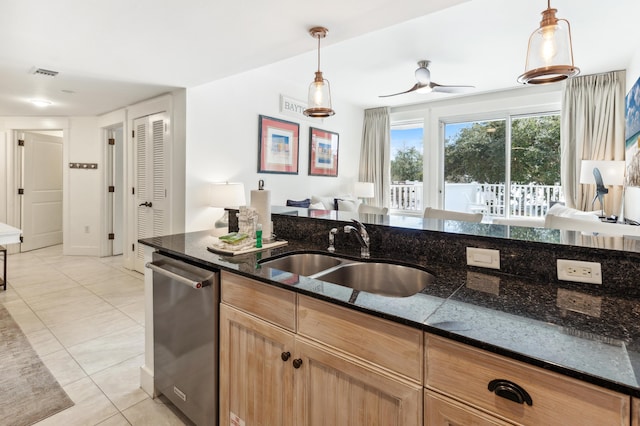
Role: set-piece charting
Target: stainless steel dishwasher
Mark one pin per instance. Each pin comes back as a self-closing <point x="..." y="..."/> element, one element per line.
<point x="185" y="335"/>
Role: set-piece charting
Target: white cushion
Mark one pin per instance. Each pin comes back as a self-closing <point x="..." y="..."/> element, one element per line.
<point x="326" y="201"/>
<point x="318" y="206"/>
<point x="563" y="211"/>
<point x="348" y="205"/>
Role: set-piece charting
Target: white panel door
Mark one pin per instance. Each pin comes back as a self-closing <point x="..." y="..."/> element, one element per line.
<point x="150" y="147"/>
<point x="42" y="183"/>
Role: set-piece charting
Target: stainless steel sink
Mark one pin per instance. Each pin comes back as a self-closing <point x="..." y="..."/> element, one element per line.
<point x="385" y="279"/>
<point x="306" y="264"/>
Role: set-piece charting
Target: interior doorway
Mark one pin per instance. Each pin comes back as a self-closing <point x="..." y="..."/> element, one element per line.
<point x="39" y="168"/>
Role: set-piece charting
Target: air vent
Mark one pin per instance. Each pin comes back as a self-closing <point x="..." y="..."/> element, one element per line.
<point x="44" y="72"/>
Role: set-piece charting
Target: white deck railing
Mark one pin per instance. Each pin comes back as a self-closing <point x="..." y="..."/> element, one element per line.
<point x="529" y="200"/>
<point x="406" y="196"/>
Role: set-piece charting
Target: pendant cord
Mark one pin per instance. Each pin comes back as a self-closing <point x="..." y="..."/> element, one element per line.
<point x="319" y="52"/>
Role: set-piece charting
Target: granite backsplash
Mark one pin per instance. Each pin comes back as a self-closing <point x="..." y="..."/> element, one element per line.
<point x="525" y="259"/>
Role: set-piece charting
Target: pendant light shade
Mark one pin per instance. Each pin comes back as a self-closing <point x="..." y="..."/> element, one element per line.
<point x="550" y="54"/>
<point x="319" y="100"/>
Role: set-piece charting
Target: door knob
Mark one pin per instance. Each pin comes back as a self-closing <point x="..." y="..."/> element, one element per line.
<point x="146" y="204"/>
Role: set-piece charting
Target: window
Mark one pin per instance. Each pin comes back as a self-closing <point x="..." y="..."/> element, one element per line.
<point x="407" y="166"/>
<point x="504" y="167"/>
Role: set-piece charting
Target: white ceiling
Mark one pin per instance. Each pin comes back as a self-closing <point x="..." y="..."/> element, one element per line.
<point x="117" y="52"/>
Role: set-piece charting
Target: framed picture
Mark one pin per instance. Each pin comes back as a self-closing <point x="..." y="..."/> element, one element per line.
<point x="323" y="152"/>
<point x="278" y="146"/>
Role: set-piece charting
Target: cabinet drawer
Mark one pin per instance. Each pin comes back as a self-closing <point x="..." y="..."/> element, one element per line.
<point x="442" y="411"/>
<point x="270" y="303"/>
<point x="464" y="372"/>
<point x="382" y="342"/>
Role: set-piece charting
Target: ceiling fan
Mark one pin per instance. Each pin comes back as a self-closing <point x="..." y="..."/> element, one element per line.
<point x="425" y="85"/>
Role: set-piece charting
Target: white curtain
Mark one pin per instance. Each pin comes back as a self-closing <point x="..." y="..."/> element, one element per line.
<point x="592" y="128"/>
<point x="374" y="154"/>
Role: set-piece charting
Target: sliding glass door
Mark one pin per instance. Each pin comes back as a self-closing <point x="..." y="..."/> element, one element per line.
<point x="503" y="167"/>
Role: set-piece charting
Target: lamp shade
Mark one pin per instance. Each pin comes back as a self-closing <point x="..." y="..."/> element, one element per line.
<point x="364" y="190"/>
<point x="549" y="54"/>
<point x="319" y="99"/>
<point x="612" y="171"/>
<point x="227" y="194"/>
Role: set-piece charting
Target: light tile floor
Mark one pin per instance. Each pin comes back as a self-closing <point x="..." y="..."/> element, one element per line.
<point x="84" y="316"/>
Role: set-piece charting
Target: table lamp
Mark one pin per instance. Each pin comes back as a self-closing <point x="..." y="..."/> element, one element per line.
<point x="227" y="194"/>
<point x="364" y="190"/>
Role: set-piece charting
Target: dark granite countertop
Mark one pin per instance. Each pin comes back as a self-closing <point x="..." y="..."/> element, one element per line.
<point x="579" y="331"/>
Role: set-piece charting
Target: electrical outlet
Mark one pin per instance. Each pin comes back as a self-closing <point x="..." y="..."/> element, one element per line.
<point x="579" y="271"/>
<point x="485" y="258"/>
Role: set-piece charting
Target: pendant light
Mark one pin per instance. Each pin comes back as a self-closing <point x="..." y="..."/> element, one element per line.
<point x="549" y="54"/>
<point x="319" y="103"/>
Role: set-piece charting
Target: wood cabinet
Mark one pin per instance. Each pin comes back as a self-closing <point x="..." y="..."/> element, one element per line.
<point x="289" y="359"/>
<point x="256" y="378"/>
<point x="466" y="373"/>
<point x="270" y="375"/>
<point x="332" y="389"/>
<point x="443" y="411"/>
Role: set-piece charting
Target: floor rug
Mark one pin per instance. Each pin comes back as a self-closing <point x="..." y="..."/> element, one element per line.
<point x="28" y="390"/>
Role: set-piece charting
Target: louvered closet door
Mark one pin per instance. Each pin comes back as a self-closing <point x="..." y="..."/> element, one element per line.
<point x="150" y="144"/>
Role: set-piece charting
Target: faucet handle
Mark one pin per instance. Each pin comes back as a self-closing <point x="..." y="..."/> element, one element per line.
<point x="332" y="234"/>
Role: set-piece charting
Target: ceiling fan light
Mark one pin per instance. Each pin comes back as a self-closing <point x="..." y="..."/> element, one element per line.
<point x="319" y="99"/>
<point x="549" y="53"/>
<point x="424" y="89"/>
<point x="423" y="75"/>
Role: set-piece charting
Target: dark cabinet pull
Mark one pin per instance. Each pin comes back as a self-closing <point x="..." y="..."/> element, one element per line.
<point x="297" y="363"/>
<point x="509" y="390"/>
<point x="285" y="356"/>
<point x="146" y="204"/>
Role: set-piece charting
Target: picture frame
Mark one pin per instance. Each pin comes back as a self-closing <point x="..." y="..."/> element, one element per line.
<point x="278" y="146"/>
<point x="323" y="152"/>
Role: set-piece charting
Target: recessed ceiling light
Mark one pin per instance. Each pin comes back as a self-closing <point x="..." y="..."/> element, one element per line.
<point x="40" y="102"/>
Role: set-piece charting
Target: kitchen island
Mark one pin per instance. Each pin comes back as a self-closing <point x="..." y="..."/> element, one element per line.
<point x="582" y="332"/>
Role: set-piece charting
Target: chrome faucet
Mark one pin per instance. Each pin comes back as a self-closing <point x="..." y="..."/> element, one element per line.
<point x="332" y="235"/>
<point x="362" y="236"/>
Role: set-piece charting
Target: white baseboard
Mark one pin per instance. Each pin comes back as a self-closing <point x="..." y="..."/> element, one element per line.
<point x="147" y="382"/>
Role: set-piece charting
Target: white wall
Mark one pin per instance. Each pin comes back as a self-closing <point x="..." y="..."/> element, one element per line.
<point x="222" y="142"/>
<point x="83" y="191"/>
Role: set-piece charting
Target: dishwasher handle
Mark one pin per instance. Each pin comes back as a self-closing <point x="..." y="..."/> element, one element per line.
<point x="179" y="278"/>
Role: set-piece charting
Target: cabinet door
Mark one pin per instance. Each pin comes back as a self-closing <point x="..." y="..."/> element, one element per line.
<point x="256" y="376"/>
<point x="635" y="412"/>
<point x="331" y="389"/>
<point x="442" y="411"/>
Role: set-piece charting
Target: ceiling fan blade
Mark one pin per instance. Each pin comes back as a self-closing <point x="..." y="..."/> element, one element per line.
<point x="414" y="88"/>
<point x="449" y="89"/>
